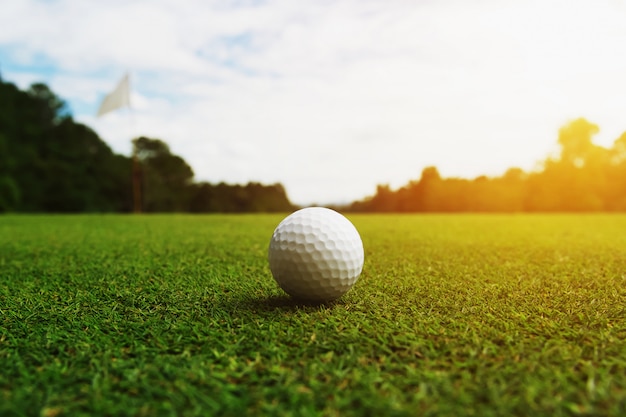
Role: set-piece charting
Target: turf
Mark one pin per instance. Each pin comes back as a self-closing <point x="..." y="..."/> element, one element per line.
<point x="479" y="315"/>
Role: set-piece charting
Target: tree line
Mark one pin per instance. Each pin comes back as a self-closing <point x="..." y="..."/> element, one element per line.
<point x="583" y="177"/>
<point x="51" y="163"/>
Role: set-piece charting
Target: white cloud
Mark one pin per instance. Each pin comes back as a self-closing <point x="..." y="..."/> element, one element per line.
<point x="332" y="97"/>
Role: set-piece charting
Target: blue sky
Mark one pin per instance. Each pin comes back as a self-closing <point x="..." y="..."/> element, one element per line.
<point x="330" y="98"/>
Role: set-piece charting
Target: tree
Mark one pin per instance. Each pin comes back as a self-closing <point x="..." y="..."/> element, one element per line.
<point x="225" y="198"/>
<point x="166" y="178"/>
<point x="48" y="162"/>
<point x="583" y="167"/>
<point x="50" y="108"/>
<point x="616" y="176"/>
<point x="575" y="140"/>
<point x="430" y="189"/>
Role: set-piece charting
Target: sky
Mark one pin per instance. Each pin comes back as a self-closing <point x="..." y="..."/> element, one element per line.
<point x="330" y="98"/>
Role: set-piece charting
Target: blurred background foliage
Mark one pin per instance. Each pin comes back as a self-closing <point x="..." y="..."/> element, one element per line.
<point x="51" y="163"/>
<point x="582" y="177"/>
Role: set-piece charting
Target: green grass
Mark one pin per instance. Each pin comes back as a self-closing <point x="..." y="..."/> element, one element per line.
<point x="485" y="315"/>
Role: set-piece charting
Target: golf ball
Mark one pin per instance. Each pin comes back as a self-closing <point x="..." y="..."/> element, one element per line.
<point x="316" y="254"/>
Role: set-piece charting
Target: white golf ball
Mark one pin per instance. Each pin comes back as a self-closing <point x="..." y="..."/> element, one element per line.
<point x="316" y="254"/>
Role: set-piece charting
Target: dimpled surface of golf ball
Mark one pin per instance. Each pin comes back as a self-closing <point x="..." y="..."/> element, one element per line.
<point x="316" y="254"/>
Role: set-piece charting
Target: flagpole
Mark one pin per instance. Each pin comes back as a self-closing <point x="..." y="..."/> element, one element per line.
<point x="136" y="165"/>
<point x="118" y="98"/>
<point x="136" y="182"/>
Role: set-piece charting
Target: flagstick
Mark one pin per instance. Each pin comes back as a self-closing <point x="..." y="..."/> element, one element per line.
<point x="136" y="164"/>
<point x="120" y="97"/>
<point x="136" y="182"/>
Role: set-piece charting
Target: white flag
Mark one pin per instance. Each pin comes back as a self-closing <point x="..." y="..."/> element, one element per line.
<point x="118" y="98"/>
